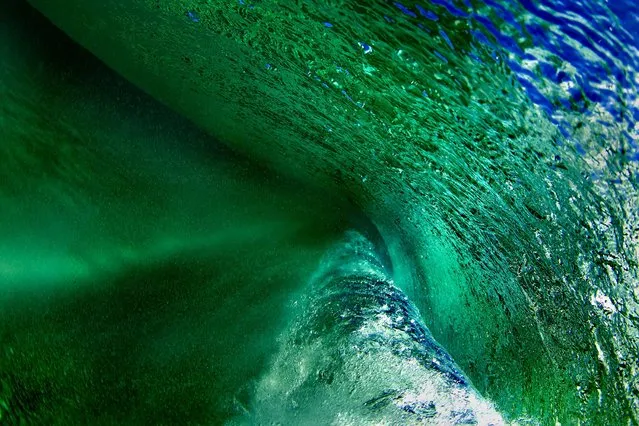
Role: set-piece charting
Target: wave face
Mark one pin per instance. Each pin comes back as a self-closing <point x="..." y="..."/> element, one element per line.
<point x="358" y="353"/>
<point x="494" y="144"/>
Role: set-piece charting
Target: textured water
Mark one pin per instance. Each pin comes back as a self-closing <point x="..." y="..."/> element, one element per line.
<point x="489" y="149"/>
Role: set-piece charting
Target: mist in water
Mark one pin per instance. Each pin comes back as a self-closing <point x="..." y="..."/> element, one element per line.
<point x="145" y="269"/>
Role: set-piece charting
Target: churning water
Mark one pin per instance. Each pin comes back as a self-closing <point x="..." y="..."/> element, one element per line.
<point x="307" y="212"/>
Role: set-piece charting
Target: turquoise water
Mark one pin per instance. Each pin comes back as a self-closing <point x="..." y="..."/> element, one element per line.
<point x="160" y="250"/>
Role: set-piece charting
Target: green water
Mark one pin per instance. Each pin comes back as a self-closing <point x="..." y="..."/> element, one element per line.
<point x="144" y="268"/>
<point x="148" y="270"/>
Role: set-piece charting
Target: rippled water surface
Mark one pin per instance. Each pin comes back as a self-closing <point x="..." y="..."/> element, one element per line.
<point x="490" y="149"/>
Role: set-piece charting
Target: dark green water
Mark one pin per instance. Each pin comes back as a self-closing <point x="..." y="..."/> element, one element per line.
<point x="147" y="271"/>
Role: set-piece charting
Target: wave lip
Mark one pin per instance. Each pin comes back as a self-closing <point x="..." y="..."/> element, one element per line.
<point x="358" y="352"/>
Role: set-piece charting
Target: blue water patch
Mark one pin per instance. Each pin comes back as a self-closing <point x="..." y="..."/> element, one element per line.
<point x="193" y="16"/>
<point x="446" y="38"/>
<point x="405" y="10"/>
<point x="481" y="37"/>
<point x="536" y="96"/>
<point x="548" y="71"/>
<point x="579" y="149"/>
<point x="560" y="32"/>
<point x="475" y="58"/>
<point x="365" y="47"/>
<point x="427" y="13"/>
<point x="440" y="56"/>
<point x="579" y="32"/>
<point x="627" y="11"/>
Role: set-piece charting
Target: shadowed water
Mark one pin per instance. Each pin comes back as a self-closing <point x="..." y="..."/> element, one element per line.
<point x="144" y="268"/>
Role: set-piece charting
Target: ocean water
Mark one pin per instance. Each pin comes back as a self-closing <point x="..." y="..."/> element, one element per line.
<point x="303" y="212"/>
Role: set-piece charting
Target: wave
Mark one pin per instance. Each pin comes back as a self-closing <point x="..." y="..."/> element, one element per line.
<point x="493" y="144"/>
